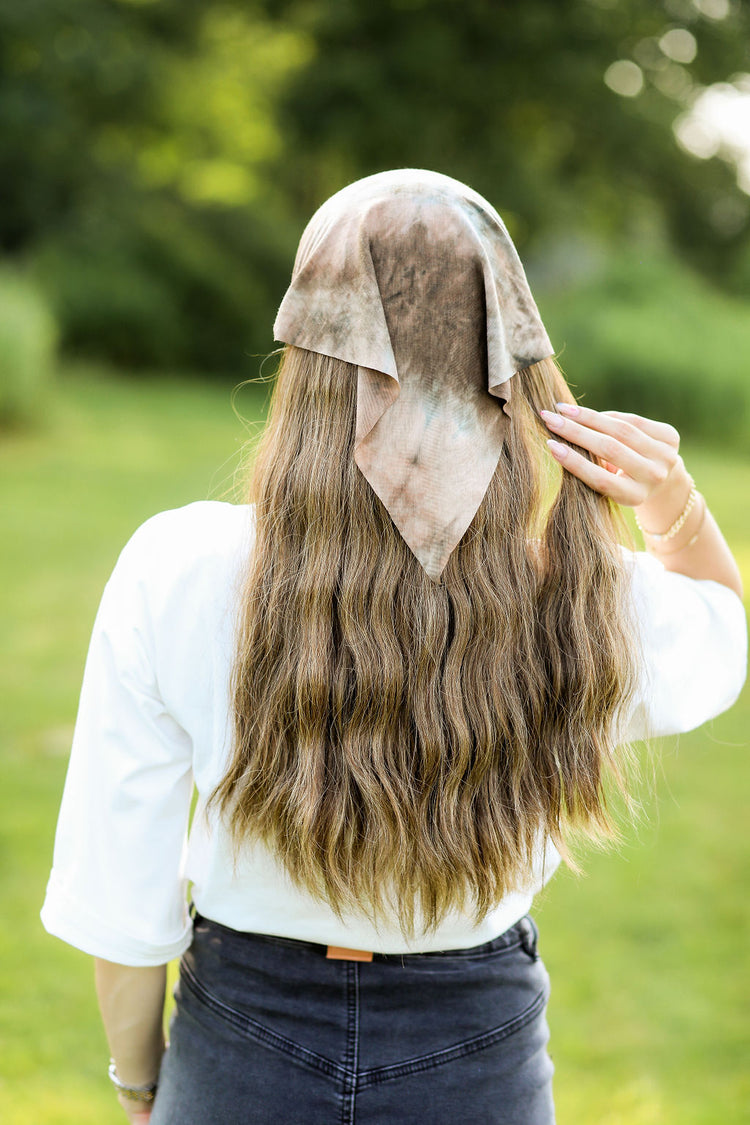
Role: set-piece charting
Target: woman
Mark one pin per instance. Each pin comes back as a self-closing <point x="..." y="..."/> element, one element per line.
<point x="398" y="681"/>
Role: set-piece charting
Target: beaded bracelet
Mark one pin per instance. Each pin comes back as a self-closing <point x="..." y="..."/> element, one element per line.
<point x="679" y="523"/>
<point x="133" y="1093"/>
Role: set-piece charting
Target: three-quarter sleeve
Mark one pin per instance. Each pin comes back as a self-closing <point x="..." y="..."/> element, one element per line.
<point x="116" y="889"/>
<point x="693" y="639"/>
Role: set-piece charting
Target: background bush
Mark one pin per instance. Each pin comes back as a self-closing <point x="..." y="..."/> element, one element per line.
<point x="162" y="286"/>
<point x="159" y="160"/>
<point x="644" y="333"/>
<point x="28" y="340"/>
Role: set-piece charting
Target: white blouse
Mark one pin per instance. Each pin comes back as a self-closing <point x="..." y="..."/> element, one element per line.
<point x="154" y="720"/>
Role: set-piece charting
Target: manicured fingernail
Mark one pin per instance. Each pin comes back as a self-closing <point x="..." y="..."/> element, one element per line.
<point x="557" y="449"/>
<point x="554" y="421"/>
<point x="568" y="408"/>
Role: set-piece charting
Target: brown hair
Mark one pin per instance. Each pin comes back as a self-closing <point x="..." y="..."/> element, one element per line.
<point x="401" y="744"/>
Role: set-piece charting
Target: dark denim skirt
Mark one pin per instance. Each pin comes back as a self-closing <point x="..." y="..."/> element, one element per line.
<point x="268" y="1031"/>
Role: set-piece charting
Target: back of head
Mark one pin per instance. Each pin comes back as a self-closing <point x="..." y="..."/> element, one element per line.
<point x="414" y="714"/>
<point x="412" y="277"/>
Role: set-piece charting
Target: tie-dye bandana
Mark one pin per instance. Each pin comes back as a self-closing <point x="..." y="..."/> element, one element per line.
<point x="412" y="277"/>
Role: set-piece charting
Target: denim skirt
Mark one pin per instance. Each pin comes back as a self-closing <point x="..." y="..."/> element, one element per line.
<point x="268" y="1031"/>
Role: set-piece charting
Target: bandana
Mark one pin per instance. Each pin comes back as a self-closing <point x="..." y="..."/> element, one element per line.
<point x="412" y="277"/>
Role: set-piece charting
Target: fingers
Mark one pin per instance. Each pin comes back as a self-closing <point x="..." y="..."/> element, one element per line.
<point x="616" y="443"/>
<point x="645" y="436"/>
<point x="634" y="455"/>
<point x="660" y="431"/>
<point x="618" y="486"/>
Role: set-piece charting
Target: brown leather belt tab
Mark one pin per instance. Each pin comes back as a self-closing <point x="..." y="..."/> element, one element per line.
<point x="338" y="953"/>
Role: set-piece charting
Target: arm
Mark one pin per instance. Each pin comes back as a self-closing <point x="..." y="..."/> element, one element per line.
<point x="640" y="466"/>
<point x="131" y="1001"/>
<point x="699" y="549"/>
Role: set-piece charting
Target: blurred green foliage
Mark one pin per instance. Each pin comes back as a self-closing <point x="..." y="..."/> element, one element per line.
<point x="159" y="159"/>
<point x="511" y="98"/>
<point x="642" y="333"/>
<point x="137" y="142"/>
<point x="28" y="342"/>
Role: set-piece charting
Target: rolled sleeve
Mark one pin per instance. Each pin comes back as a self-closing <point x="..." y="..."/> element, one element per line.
<point x="693" y="637"/>
<point x="116" y="889"/>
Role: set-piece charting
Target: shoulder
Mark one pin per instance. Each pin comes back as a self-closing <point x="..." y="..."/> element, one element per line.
<point x="211" y="524"/>
<point x="203" y="529"/>
<point x="200" y="545"/>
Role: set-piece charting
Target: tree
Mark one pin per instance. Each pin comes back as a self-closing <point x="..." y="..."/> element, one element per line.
<point x="136" y="142"/>
<point x="512" y="98"/>
<point x="159" y="158"/>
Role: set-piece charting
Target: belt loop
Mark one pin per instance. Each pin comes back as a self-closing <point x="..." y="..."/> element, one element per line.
<point x="529" y="937"/>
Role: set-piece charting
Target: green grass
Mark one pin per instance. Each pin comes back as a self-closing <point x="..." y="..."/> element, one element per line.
<point x="647" y="952"/>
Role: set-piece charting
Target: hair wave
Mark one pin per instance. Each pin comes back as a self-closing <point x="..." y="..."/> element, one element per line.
<point x="403" y="745"/>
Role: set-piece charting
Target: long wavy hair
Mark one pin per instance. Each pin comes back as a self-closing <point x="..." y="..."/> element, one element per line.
<point x="404" y="746"/>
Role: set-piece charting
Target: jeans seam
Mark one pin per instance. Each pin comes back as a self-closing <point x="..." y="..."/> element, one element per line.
<point x="257" y="1031"/>
<point x="458" y="1050"/>
<point x="351" y="1053"/>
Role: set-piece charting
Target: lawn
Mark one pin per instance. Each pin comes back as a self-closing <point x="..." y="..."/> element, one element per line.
<point x="648" y="951"/>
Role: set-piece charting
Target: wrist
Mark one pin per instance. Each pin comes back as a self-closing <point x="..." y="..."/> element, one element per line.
<point x="143" y="1092"/>
<point x="687" y="525"/>
<point x="668" y="500"/>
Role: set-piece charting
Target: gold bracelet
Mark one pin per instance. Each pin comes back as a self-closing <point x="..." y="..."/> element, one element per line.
<point x="698" y="530"/>
<point x="679" y="523"/>
<point x="132" y="1093"/>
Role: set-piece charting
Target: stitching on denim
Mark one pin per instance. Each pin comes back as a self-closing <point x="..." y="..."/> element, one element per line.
<point x="265" y="939"/>
<point x="355" y="1055"/>
<point x="408" y="958"/>
<point x="349" y="1085"/>
<point x="433" y="962"/>
<point x="458" y="1050"/>
<point x="258" y="1031"/>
